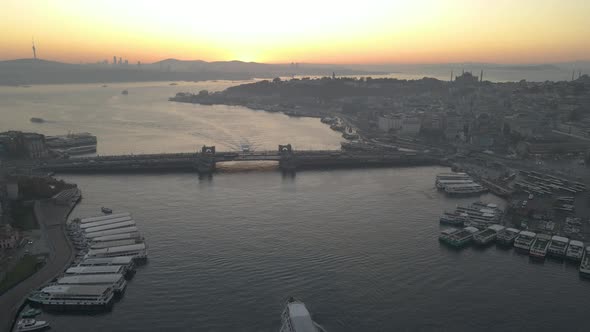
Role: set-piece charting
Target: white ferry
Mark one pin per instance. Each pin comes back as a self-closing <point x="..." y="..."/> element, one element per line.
<point x="443" y="179"/>
<point x="507" y="236"/>
<point x="465" y="189"/>
<point x="114" y="237"/>
<point x="104" y="222"/>
<point x="454" y="218"/>
<point x="123" y="224"/>
<point x="131" y="229"/>
<point x="74" y="296"/>
<point x="585" y="264"/>
<point x="540" y="246"/>
<point x="103" y="217"/>
<point x="137" y="251"/>
<point x="488" y="235"/>
<point x="118" y="260"/>
<point x="296" y="318"/>
<point x="460" y="238"/>
<point x="116" y="243"/>
<point x="31" y="324"/>
<point x="575" y="250"/>
<point x="524" y="240"/>
<point x="442" y="184"/>
<point x="558" y="246"/>
<point x="115" y="280"/>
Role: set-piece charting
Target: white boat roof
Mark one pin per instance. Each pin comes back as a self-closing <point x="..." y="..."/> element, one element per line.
<point x="496" y="227"/>
<point x="118" y="260"/>
<point x="104" y="217"/>
<point x="543" y="236"/>
<point x="465" y="185"/>
<point x="449" y="231"/>
<point x="451" y="174"/>
<point x="91" y="279"/>
<point x="110" y="226"/>
<point x="451" y="181"/>
<point x="528" y="233"/>
<point x="486" y="210"/>
<point x="116" y="243"/>
<point x="105" y="269"/>
<point x="492" y="205"/>
<point x="122" y="236"/>
<point x="576" y="243"/>
<point x="132" y="247"/>
<point x="112" y="232"/>
<point x="104" y="222"/>
<point x="513" y="230"/>
<point x="95" y="290"/>
<point x="471" y="229"/>
<point x="559" y="238"/>
<point x="300" y="318"/>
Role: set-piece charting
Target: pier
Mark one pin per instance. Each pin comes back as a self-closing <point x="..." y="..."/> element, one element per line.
<point x="205" y="161"/>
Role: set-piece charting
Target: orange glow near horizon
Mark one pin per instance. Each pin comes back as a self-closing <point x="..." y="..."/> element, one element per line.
<point x="325" y="31"/>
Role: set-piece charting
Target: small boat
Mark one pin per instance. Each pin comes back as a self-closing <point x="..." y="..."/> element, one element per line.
<point x="585" y="264"/>
<point x="540" y="246"/>
<point x="575" y="251"/>
<point x="524" y="240"/>
<point x="106" y="210"/>
<point x="296" y="318"/>
<point x="488" y="235"/>
<point x="37" y="120"/>
<point x="30" y="313"/>
<point x="125" y="92"/>
<point x="31" y="325"/>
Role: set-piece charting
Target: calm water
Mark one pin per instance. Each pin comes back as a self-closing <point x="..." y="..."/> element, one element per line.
<point x="358" y="246"/>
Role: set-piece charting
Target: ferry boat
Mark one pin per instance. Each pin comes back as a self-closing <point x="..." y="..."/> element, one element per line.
<point x="31" y="313"/>
<point x="105" y="261"/>
<point x="585" y="264"/>
<point x="540" y="246"/>
<point x="78" y="150"/>
<point x="102" y="217"/>
<point x="123" y="230"/>
<point x="114" y="237"/>
<point x="524" y="240"/>
<point x="30" y="324"/>
<point x="460" y="238"/>
<point x="115" y="280"/>
<point x="443" y="179"/>
<point x="104" y="269"/>
<point x="103" y="222"/>
<point x="558" y="246"/>
<point x="507" y="236"/>
<point x="454" y="219"/>
<point x="70" y="140"/>
<point x="442" y="184"/>
<point x="296" y="318"/>
<point x="575" y="250"/>
<point x="74" y="297"/>
<point x="465" y="189"/>
<point x="137" y="251"/>
<point x="116" y="243"/>
<point x="488" y="235"/>
<point x="37" y="120"/>
<point x="117" y="225"/>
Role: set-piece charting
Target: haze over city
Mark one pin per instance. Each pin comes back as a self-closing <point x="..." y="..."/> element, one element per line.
<point x="336" y="32"/>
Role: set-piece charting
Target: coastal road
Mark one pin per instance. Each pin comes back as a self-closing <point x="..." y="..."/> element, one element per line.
<point x="51" y="218"/>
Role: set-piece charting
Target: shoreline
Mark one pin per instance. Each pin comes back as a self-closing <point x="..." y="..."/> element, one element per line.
<point x="52" y="219"/>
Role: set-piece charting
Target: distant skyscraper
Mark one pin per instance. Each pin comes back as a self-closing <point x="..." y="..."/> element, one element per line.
<point x="126" y="62"/>
<point x="34" y="50"/>
<point x="120" y="60"/>
<point x="114" y="59"/>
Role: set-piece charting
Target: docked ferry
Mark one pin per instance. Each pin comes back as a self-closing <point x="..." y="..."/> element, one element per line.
<point x="74" y="297"/>
<point x="115" y="280"/>
<point x="524" y="240"/>
<point x="125" y="270"/>
<point x="103" y="217"/>
<point x="459" y="238"/>
<point x="507" y="236"/>
<point x="465" y="189"/>
<point x="558" y="246"/>
<point x="137" y="251"/>
<point x="575" y="250"/>
<point x="585" y="264"/>
<point x="488" y="235"/>
<point x="454" y="218"/>
<point x="540" y="246"/>
<point x="30" y="324"/>
<point x="296" y="318"/>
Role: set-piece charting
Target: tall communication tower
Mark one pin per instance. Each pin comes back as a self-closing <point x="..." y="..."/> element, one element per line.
<point x="34" y="49"/>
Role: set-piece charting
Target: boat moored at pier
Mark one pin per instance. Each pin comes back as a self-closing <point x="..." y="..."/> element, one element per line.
<point x="74" y="297"/>
<point x="507" y="236"/>
<point x="104" y="217"/>
<point x="540" y="246"/>
<point x="524" y="240"/>
<point x="131" y="229"/>
<point x="115" y="280"/>
<point x="488" y="235"/>
<point x="137" y="251"/>
<point x="575" y="251"/>
<point x="558" y="246"/>
<point x="585" y="264"/>
<point x="459" y="238"/>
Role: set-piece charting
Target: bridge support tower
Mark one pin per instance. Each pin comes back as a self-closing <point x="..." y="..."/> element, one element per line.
<point x="206" y="160"/>
<point x="288" y="161"/>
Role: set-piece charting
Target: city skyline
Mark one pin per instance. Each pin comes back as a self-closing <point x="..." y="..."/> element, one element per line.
<point x="375" y="32"/>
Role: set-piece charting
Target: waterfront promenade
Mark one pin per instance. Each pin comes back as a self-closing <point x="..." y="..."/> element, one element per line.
<point x="51" y="218"/>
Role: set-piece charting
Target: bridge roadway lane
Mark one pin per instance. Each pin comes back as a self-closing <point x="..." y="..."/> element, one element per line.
<point x="51" y="218"/>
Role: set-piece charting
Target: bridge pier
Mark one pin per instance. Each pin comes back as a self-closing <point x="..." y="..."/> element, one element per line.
<point x="288" y="161"/>
<point x="205" y="162"/>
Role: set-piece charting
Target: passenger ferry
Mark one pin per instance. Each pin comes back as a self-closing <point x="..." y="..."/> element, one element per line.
<point x="103" y="217"/>
<point x="122" y="224"/>
<point x="558" y="246"/>
<point x="507" y="236"/>
<point x="575" y="250"/>
<point x="125" y="270"/>
<point x="465" y="189"/>
<point x="115" y="280"/>
<point x="540" y="246"/>
<point x="137" y="251"/>
<point x="524" y="240"/>
<point x="116" y="243"/>
<point x="444" y="179"/>
<point x="114" y="237"/>
<point x="130" y="229"/>
<point x="459" y="238"/>
<point x="64" y="297"/>
<point x="118" y="260"/>
<point x="296" y="318"/>
<point x="454" y="218"/>
<point x="488" y="235"/>
<point x="585" y="264"/>
<point x="104" y="222"/>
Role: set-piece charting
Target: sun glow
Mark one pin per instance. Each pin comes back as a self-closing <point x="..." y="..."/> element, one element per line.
<point x="303" y="31"/>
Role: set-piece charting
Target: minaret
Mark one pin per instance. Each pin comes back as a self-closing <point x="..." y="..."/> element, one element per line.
<point x="573" y="72"/>
<point x="34" y="50"/>
<point x="451" y="75"/>
<point x="481" y="76"/>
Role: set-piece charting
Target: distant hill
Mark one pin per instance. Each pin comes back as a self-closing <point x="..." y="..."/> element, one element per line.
<point x="31" y="71"/>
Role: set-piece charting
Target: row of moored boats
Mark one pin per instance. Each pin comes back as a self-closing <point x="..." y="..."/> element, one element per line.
<point x="109" y="249"/>
<point x="538" y="246"/>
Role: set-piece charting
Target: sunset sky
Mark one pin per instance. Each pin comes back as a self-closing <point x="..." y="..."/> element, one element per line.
<point x="313" y="31"/>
